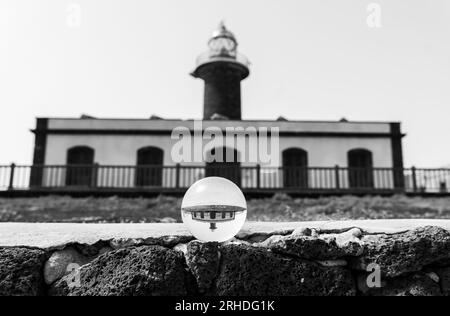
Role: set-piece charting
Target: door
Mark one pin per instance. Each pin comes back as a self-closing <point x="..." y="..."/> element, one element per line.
<point x="149" y="170"/>
<point x="295" y="168"/>
<point x="227" y="167"/>
<point x="360" y="172"/>
<point x="80" y="166"/>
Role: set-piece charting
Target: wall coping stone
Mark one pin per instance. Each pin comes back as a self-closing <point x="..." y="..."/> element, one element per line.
<point x="58" y="235"/>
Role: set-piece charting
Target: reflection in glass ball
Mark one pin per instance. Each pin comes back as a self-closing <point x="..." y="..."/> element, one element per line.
<point x="214" y="209"/>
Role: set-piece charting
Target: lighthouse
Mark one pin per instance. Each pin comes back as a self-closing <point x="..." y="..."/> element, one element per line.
<point x="222" y="68"/>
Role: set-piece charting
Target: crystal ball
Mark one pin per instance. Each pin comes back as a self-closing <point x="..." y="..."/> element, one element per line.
<point x="214" y="209"/>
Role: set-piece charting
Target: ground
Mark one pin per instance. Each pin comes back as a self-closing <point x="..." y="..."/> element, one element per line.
<point x="167" y="209"/>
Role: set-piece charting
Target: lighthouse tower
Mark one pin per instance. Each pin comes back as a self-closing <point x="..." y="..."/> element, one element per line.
<point x="222" y="68"/>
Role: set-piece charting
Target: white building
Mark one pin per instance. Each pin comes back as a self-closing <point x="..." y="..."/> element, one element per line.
<point x="308" y="152"/>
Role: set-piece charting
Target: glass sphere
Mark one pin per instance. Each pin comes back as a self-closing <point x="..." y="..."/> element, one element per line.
<point x="214" y="209"/>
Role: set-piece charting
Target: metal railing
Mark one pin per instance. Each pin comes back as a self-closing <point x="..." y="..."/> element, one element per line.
<point x="208" y="57"/>
<point x="293" y="179"/>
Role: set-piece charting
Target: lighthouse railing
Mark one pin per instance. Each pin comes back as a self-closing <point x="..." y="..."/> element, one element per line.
<point x="208" y="57"/>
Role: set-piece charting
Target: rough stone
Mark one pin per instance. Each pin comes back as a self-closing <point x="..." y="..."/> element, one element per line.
<point x="253" y="271"/>
<point x="58" y="235"/>
<point x="203" y="260"/>
<point x="132" y="271"/>
<point x="406" y="252"/>
<point x="236" y="241"/>
<point x="355" y="232"/>
<point x="433" y="276"/>
<point x="321" y="260"/>
<point x="253" y="233"/>
<point x="322" y="247"/>
<point x="303" y="231"/>
<point x="304" y="247"/>
<point x="165" y="241"/>
<point x="333" y="263"/>
<point x="444" y="276"/>
<point x="90" y="250"/>
<point x="418" y="284"/>
<point x="118" y="243"/>
<point x="21" y="272"/>
<point x="169" y="241"/>
<point x="104" y="250"/>
<point x="56" y="266"/>
<point x="255" y="238"/>
<point x="349" y="241"/>
<point x="181" y="247"/>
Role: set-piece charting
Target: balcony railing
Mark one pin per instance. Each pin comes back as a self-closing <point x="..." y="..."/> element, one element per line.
<point x="207" y="57"/>
<point x="290" y="179"/>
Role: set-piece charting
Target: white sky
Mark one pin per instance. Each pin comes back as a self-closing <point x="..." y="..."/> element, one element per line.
<point x="311" y="60"/>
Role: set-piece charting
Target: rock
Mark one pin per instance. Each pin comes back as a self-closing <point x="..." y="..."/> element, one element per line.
<point x="433" y="276"/>
<point x="21" y="272"/>
<point x="203" y="260"/>
<point x="137" y="271"/>
<point x="181" y="247"/>
<point x="323" y="247"/>
<point x="104" y="250"/>
<point x="444" y="276"/>
<point x="406" y="252"/>
<point x="118" y="243"/>
<point x="333" y="263"/>
<point x="362" y="281"/>
<point x="302" y="232"/>
<point x="254" y="238"/>
<point x="165" y="241"/>
<point x="253" y="235"/>
<point x="356" y="232"/>
<point x="56" y="266"/>
<point x="418" y="284"/>
<point x="255" y="271"/>
<point x="349" y="241"/>
<point x="168" y="241"/>
<point x="90" y="250"/>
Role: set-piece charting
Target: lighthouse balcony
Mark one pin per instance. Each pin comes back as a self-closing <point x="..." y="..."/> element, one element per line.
<point x="209" y="57"/>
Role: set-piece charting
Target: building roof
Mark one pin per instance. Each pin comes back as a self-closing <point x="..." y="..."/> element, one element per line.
<point x="166" y="126"/>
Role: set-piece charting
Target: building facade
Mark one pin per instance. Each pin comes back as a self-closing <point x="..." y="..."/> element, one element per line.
<point x="143" y="148"/>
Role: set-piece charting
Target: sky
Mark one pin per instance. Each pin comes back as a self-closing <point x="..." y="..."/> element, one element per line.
<point x="311" y="60"/>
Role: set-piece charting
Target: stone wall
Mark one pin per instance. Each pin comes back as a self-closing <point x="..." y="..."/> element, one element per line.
<point x="302" y="261"/>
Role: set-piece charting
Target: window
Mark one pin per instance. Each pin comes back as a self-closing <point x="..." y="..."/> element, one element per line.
<point x="80" y="166"/>
<point x="360" y="169"/>
<point x="149" y="168"/>
<point x="295" y="168"/>
<point x="229" y="167"/>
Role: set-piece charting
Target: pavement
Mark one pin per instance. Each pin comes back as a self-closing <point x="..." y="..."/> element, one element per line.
<point x="56" y="235"/>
